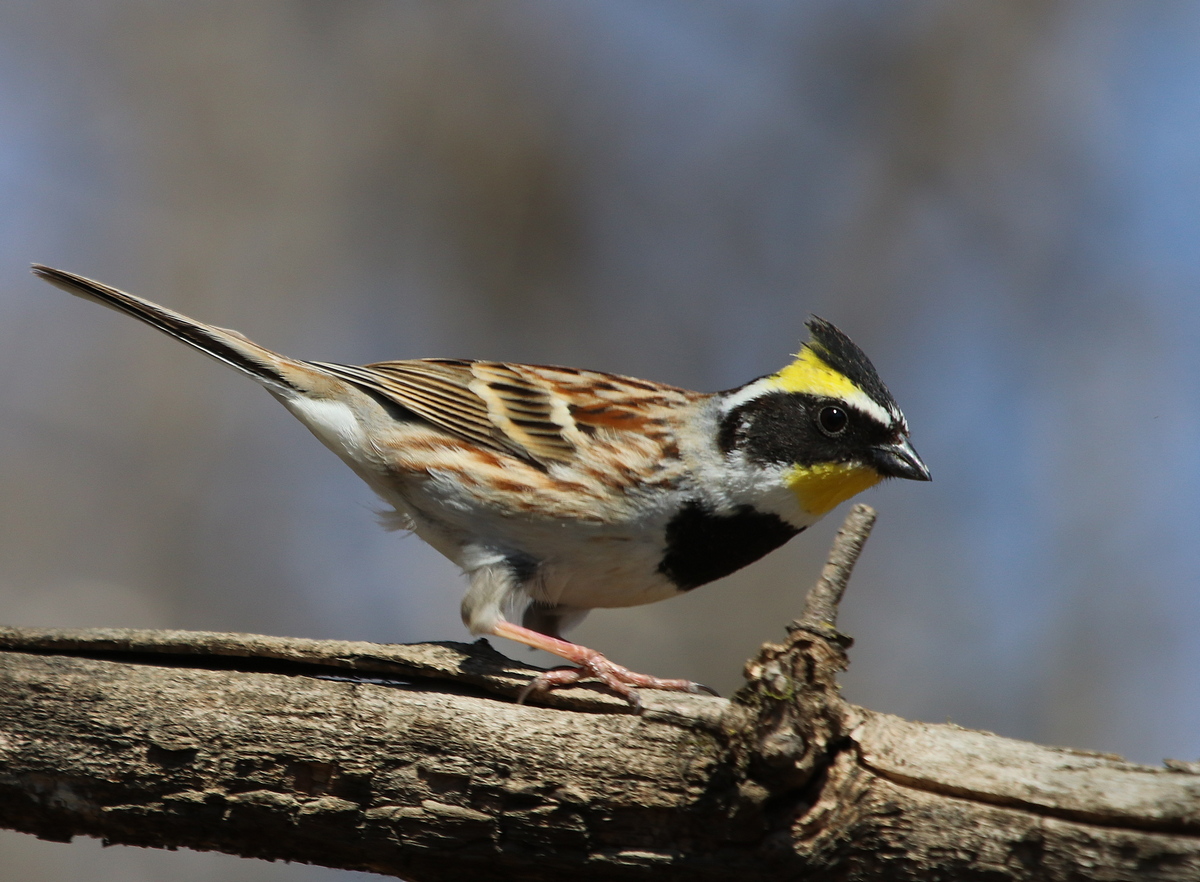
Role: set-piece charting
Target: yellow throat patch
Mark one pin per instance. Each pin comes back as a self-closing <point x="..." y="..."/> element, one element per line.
<point x="825" y="485"/>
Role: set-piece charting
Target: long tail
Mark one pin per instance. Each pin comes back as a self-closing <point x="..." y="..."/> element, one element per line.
<point x="269" y="368"/>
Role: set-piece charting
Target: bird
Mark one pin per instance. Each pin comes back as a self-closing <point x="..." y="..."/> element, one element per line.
<point x="559" y="490"/>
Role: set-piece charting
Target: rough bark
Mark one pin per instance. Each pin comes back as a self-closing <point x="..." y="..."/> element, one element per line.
<point x="415" y="761"/>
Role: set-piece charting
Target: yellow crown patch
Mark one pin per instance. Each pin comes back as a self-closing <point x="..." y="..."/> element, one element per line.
<point x="810" y="374"/>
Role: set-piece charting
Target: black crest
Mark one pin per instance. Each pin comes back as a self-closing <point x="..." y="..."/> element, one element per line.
<point x="843" y="355"/>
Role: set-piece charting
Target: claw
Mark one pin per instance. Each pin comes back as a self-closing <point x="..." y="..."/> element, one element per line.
<point x="616" y="677"/>
<point x="590" y="664"/>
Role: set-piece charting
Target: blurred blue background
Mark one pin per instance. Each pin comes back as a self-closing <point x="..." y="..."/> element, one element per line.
<point x="1000" y="202"/>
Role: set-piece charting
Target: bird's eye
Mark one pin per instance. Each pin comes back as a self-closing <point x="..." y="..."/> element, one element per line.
<point x="833" y="420"/>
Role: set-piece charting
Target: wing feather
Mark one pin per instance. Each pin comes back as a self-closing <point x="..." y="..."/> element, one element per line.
<point x="540" y="414"/>
<point x="430" y="395"/>
<point x="485" y="402"/>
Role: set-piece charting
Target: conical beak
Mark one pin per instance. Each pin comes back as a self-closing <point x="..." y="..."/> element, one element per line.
<point x="899" y="460"/>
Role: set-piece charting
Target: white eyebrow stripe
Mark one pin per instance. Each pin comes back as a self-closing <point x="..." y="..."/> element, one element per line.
<point x="860" y="401"/>
<point x="748" y="393"/>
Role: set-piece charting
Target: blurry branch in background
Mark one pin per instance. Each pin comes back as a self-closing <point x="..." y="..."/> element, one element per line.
<point x="415" y="761"/>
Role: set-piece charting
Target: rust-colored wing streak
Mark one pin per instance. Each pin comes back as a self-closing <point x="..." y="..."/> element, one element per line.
<point x="538" y="413"/>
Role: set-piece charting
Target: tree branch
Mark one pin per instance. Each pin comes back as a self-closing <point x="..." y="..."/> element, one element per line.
<point x="416" y="761"/>
<point x="821" y="605"/>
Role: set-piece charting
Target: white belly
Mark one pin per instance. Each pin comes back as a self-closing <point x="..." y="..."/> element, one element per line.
<point x="579" y="564"/>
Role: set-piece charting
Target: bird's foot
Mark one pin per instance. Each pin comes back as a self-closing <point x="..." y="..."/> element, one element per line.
<point x="590" y="664"/>
<point x="616" y="677"/>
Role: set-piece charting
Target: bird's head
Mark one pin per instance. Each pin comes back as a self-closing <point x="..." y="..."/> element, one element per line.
<point x="826" y="418"/>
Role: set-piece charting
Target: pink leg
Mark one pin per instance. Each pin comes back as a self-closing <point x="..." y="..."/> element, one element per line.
<point x="590" y="664"/>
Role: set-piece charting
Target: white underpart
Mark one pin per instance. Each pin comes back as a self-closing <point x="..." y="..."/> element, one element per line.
<point x="338" y="426"/>
<point x="580" y="565"/>
<point x="333" y="422"/>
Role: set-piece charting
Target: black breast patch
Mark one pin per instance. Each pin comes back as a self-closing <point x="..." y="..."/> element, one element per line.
<point x="703" y="546"/>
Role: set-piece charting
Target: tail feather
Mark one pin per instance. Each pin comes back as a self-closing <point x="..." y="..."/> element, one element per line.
<point x="229" y="347"/>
